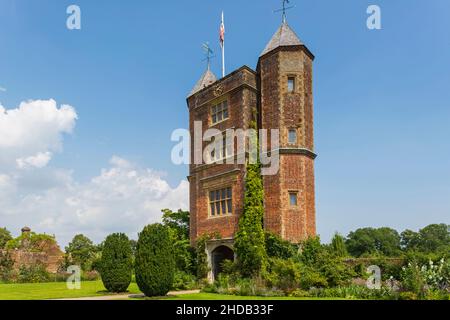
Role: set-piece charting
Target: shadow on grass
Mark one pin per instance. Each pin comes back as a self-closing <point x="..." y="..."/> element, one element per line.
<point x="142" y="297"/>
<point x="108" y="293"/>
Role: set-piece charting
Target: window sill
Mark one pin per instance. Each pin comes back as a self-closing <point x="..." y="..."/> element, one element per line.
<point x="219" y="217"/>
<point x="217" y="123"/>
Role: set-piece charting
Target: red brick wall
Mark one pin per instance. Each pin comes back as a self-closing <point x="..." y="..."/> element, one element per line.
<point x="297" y="174"/>
<point x="239" y="88"/>
<point x="266" y="90"/>
<point x="283" y="110"/>
<point x="51" y="258"/>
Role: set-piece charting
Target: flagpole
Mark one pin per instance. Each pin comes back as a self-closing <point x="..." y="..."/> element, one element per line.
<point x="223" y="50"/>
<point x="223" y="60"/>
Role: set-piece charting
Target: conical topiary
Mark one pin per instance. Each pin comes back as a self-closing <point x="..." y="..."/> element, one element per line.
<point x="116" y="265"/>
<point x="155" y="261"/>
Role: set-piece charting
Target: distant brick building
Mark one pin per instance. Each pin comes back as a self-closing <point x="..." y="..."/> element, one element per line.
<point x="46" y="253"/>
<point x="281" y="91"/>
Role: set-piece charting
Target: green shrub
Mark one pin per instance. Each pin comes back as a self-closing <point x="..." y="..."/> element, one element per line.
<point x="311" y="278"/>
<point x="279" y="248"/>
<point x="311" y="250"/>
<point x="184" y="281"/>
<point x="116" y="263"/>
<point x="226" y="284"/>
<point x="335" y="270"/>
<point x="155" y="262"/>
<point x="423" y="279"/>
<point x="210" y="287"/>
<point x="284" y="274"/>
<point x="407" y="295"/>
<point x="6" y="267"/>
<point x="229" y="267"/>
<point x="300" y="294"/>
<point x="34" y="273"/>
<point x="331" y="267"/>
<point x="437" y="295"/>
<point x="244" y="287"/>
<point x="354" y="292"/>
<point x="250" y="287"/>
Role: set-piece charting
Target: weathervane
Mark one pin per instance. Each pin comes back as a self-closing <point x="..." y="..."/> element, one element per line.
<point x="284" y="9"/>
<point x="208" y="53"/>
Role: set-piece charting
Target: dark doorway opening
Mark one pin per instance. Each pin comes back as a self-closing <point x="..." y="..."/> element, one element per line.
<point x="218" y="256"/>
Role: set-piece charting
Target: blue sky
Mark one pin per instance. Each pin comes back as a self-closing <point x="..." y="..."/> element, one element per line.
<point x="382" y="97"/>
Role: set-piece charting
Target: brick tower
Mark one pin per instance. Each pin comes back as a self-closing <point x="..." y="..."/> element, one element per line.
<point x="281" y="90"/>
<point x="286" y="103"/>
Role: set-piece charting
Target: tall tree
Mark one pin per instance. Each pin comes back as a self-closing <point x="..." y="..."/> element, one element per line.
<point x="432" y="238"/>
<point x="410" y="240"/>
<point x="370" y="240"/>
<point x="5" y="236"/>
<point x="338" y="245"/>
<point x="435" y="238"/>
<point x="81" y="251"/>
<point x="177" y="222"/>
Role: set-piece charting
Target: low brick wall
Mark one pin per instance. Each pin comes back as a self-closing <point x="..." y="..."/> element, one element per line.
<point x="50" y="260"/>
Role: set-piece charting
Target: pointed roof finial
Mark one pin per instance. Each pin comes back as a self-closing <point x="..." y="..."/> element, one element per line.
<point x="208" y="77"/>
<point x="209" y="54"/>
<point x="284" y="9"/>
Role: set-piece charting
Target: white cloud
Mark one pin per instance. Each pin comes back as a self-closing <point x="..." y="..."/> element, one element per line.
<point x="40" y="160"/>
<point x="2" y="89"/>
<point x="122" y="198"/>
<point x="30" y="133"/>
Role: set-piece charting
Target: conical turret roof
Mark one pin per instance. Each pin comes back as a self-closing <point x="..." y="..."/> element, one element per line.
<point x="284" y="36"/>
<point x="207" y="79"/>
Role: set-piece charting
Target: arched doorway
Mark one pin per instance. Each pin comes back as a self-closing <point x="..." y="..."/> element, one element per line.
<point x="218" y="255"/>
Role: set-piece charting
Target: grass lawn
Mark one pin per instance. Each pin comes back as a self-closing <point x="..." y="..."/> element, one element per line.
<point x="213" y="296"/>
<point x="58" y="290"/>
<point x="55" y="290"/>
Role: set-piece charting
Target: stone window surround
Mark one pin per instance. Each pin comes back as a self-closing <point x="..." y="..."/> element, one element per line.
<point x="289" y="77"/>
<point x="289" y="130"/>
<point x="226" y="199"/>
<point x="215" y="104"/>
<point x="293" y="193"/>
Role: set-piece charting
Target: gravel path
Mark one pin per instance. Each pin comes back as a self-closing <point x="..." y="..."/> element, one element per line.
<point x="127" y="296"/>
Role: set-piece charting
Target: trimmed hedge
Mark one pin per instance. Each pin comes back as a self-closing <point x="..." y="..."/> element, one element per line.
<point x="155" y="261"/>
<point x="116" y="264"/>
